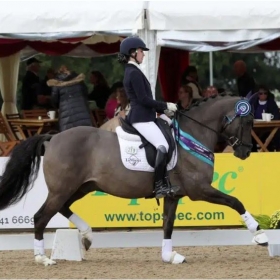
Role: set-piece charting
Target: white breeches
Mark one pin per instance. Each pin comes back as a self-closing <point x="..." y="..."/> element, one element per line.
<point x="152" y="133"/>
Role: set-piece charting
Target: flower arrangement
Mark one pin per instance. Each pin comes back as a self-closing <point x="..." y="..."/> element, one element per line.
<point x="275" y="220"/>
<point x="266" y="222"/>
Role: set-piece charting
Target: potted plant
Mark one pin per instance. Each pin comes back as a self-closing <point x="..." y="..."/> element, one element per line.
<point x="271" y="223"/>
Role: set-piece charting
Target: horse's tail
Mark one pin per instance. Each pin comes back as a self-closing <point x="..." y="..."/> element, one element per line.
<point x="21" y="170"/>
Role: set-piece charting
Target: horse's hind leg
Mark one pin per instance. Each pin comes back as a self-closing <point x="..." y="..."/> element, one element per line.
<point x="169" y="211"/>
<point x="41" y="218"/>
<point x="212" y="195"/>
<point x="81" y="225"/>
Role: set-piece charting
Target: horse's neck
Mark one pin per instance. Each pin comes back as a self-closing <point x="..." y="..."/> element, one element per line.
<point x="212" y="118"/>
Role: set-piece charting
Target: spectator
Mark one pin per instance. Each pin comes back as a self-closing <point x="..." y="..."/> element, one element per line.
<point x="185" y="97"/>
<point x="245" y="82"/>
<point x="190" y="78"/>
<point x="69" y="95"/>
<point x="101" y="90"/>
<point x="112" y="102"/>
<point x="210" y="91"/>
<point x="123" y="104"/>
<point x="44" y="97"/>
<point x="263" y="101"/>
<point x="31" y="84"/>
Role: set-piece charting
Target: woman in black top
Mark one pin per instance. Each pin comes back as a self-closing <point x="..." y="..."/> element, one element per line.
<point x="144" y="108"/>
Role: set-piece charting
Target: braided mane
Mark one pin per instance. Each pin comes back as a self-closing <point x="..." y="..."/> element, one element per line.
<point x="204" y="100"/>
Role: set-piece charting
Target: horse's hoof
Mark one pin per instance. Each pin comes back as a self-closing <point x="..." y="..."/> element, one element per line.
<point x="87" y="238"/>
<point x="173" y="258"/>
<point x="86" y="243"/>
<point x="177" y="259"/>
<point x="260" y="238"/>
<point x="42" y="259"/>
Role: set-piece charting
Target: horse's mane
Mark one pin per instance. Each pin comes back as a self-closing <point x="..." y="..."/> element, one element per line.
<point x="205" y="99"/>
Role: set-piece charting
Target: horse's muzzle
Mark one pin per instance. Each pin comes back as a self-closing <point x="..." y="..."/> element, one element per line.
<point x="242" y="152"/>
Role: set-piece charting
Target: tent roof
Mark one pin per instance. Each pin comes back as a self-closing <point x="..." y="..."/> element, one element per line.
<point x="94" y="27"/>
<point x="213" y="15"/>
<point x="70" y="16"/>
<point x="246" y="26"/>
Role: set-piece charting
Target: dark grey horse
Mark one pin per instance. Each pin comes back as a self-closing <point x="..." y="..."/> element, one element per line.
<point x="85" y="159"/>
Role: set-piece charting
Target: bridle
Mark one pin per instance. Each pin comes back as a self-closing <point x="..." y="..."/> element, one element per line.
<point x="234" y="141"/>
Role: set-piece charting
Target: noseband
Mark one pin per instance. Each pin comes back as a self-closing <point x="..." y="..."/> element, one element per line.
<point x="242" y="109"/>
<point x="236" y="140"/>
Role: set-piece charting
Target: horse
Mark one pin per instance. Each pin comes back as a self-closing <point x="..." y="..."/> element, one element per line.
<point x="81" y="160"/>
<point x="111" y="124"/>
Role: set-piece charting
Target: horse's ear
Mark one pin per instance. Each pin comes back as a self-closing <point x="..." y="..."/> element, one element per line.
<point x="248" y="95"/>
<point x="253" y="97"/>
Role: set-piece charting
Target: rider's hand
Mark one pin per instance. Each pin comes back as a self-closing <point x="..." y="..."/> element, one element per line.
<point x="171" y="107"/>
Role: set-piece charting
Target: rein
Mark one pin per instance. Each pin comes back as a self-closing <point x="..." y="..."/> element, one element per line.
<point x="233" y="141"/>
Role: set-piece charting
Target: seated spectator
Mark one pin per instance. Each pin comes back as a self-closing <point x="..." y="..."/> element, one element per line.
<point x="221" y="90"/>
<point x="263" y="101"/>
<point x="123" y="104"/>
<point x="112" y="102"/>
<point x="210" y="91"/>
<point x="101" y="90"/>
<point x="190" y="78"/>
<point x="185" y="97"/>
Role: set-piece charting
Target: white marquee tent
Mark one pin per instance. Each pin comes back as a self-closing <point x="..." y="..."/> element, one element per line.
<point x="48" y="21"/>
<point x="191" y="25"/>
<point x="214" y="25"/>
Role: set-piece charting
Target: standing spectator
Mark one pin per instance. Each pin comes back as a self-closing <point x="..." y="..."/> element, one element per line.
<point x="101" y="90"/>
<point x="44" y="97"/>
<point x="245" y="82"/>
<point x="31" y="84"/>
<point x="69" y="95"/>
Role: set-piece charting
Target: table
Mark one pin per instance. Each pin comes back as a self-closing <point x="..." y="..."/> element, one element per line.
<point x="28" y="123"/>
<point x="260" y="125"/>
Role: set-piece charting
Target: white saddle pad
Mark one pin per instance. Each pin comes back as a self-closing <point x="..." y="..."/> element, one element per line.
<point x="133" y="157"/>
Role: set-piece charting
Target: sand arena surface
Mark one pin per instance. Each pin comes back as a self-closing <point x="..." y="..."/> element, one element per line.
<point x="202" y="262"/>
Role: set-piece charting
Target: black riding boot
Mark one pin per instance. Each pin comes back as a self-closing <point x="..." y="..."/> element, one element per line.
<point x="162" y="185"/>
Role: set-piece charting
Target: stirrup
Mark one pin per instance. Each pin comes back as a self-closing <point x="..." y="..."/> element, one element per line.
<point x="172" y="189"/>
<point x="164" y="188"/>
<point x="161" y="192"/>
<point x="160" y="189"/>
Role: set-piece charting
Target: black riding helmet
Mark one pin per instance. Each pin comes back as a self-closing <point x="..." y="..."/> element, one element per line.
<point x="129" y="44"/>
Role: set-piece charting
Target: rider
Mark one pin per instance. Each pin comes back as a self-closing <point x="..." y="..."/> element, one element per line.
<point x="143" y="108"/>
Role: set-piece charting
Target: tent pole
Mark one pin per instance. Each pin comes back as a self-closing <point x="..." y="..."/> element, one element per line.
<point x="211" y="68"/>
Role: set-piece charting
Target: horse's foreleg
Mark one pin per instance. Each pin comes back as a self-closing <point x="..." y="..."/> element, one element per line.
<point x="80" y="224"/>
<point x="170" y="206"/>
<point x="212" y="195"/>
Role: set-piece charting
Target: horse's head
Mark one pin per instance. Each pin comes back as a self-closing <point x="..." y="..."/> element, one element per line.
<point x="237" y="126"/>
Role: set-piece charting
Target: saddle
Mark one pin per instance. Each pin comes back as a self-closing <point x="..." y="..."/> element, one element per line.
<point x="149" y="148"/>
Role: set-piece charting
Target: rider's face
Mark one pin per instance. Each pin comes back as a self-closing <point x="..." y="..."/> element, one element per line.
<point x="140" y="55"/>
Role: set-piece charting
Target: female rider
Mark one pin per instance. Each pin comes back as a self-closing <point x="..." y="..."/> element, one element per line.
<point x="144" y="108"/>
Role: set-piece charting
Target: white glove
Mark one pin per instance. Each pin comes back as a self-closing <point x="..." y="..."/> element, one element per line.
<point x="171" y="107"/>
